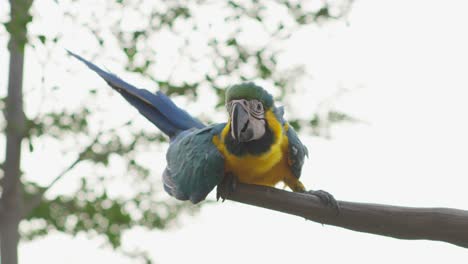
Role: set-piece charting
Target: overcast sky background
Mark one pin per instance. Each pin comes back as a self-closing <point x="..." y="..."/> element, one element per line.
<point x="409" y="61"/>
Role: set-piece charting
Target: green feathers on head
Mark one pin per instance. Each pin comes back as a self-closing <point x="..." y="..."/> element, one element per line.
<point x="249" y="91"/>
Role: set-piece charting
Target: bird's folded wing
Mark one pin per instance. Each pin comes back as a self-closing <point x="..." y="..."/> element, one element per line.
<point x="297" y="152"/>
<point x="194" y="164"/>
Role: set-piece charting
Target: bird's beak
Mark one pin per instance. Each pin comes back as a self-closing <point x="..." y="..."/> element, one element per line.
<point x="240" y="119"/>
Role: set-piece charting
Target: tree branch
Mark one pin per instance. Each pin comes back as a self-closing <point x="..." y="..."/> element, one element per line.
<point x="2" y="212"/>
<point x="37" y="198"/>
<point x="441" y="224"/>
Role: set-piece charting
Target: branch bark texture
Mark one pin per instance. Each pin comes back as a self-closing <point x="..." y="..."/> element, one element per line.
<point x="12" y="198"/>
<point x="440" y="224"/>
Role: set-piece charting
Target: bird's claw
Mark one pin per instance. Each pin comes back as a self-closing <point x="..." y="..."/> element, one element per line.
<point x="226" y="187"/>
<point x="327" y="199"/>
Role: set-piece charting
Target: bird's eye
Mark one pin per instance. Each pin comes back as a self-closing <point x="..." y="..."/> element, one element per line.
<point x="259" y="106"/>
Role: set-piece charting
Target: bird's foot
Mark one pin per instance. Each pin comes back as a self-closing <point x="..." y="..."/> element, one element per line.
<point x="226" y="187"/>
<point x="327" y="199"/>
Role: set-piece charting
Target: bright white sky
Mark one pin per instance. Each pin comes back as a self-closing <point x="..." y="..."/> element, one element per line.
<point x="410" y="60"/>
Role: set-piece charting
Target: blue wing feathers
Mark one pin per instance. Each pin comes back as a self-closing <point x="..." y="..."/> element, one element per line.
<point x="181" y="117"/>
<point x="279" y="113"/>
<point x="297" y="152"/>
<point x="170" y="186"/>
<point x="195" y="166"/>
<point x="157" y="108"/>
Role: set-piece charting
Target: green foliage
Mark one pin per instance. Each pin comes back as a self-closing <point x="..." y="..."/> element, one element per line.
<point x="318" y="122"/>
<point x="171" y="89"/>
<point x="20" y="17"/>
<point x="227" y="59"/>
<point x="230" y="58"/>
<point x="58" y="124"/>
<point x="339" y="117"/>
<point x="88" y="211"/>
<point x="99" y="151"/>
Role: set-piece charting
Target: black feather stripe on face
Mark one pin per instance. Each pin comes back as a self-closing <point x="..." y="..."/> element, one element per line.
<point x="254" y="147"/>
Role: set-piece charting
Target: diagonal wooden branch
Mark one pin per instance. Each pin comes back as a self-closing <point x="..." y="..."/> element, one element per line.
<point x="37" y="198"/>
<point x="441" y="224"/>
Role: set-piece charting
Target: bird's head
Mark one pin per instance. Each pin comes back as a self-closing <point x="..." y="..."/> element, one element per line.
<point x="247" y="104"/>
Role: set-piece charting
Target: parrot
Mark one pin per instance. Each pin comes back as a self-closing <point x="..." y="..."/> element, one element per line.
<point x="255" y="146"/>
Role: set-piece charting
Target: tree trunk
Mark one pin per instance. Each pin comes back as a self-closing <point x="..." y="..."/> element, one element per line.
<point x="11" y="202"/>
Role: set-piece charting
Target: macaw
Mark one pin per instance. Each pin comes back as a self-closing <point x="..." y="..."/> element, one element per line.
<point x="256" y="145"/>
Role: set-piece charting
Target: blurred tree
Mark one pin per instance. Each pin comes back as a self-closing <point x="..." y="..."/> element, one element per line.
<point x="217" y="50"/>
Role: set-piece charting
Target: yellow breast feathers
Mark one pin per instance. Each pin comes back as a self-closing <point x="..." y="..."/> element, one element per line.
<point x="255" y="168"/>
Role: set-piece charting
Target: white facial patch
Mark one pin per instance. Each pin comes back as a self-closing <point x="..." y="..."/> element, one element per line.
<point x="253" y="125"/>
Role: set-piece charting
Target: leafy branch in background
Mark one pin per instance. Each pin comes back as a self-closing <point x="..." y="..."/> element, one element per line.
<point x="94" y="211"/>
<point x="217" y="52"/>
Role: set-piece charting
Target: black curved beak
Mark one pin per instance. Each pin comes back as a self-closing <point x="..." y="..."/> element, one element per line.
<point x="240" y="123"/>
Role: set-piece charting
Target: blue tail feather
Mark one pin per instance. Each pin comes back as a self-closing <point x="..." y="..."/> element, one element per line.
<point x="157" y="108"/>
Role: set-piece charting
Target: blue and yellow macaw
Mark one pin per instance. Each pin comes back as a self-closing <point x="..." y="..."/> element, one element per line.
<point x="256" y="145"/>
